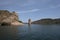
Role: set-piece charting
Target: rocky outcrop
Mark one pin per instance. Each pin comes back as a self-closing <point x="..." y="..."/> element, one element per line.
<point x="10" y="18"/>
<point x="47" y="21"/>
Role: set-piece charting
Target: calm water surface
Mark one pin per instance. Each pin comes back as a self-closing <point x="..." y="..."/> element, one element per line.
<point x="32" y="32"/>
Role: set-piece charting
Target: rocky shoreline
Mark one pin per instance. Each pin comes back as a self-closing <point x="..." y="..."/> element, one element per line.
<point x="16" y="23"/>
<point x="9" y="18"/>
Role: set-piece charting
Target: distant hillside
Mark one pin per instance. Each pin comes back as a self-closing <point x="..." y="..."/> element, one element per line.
<point x="7" y="17"/>
<point x="47" y="21"/>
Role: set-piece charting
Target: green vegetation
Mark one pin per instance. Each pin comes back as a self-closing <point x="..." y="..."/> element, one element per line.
<point x="47" y="21"/>
<point x="20" y="21"/>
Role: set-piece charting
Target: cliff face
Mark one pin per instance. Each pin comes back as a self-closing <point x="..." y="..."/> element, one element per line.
<point x="47" y="21"/>
<point x="8" y="17"/>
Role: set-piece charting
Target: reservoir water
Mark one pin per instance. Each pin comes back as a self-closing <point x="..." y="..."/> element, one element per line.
<point x="32" y="32"/>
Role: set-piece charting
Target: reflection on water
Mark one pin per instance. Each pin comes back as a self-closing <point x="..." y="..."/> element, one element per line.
<point x="39" y="32"/>
<point x="30" y="32"/>
<point x="8" y="33"/>
<point x="29" y="25"/>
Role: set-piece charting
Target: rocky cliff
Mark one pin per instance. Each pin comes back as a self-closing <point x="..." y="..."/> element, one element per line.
<point x="7" y="17"/>
<point x="47" y="21"/>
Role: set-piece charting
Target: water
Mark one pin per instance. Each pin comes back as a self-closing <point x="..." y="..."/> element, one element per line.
<point x="32" y="32"/>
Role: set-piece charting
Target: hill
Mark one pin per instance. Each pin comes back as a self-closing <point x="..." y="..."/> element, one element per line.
<point x="47" y="21"/>
<point x="9" y="18"/>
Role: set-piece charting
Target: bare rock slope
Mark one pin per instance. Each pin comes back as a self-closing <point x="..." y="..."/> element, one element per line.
<point x="9" y="18"/>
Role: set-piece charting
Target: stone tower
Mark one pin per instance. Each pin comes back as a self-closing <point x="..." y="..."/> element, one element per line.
<point x="29" y="21"/>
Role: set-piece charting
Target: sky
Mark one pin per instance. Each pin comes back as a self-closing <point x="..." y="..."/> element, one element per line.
<point x="33" y="9"/>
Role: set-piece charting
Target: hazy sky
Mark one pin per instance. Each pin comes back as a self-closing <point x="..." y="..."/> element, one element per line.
<point x="34" y="9"/>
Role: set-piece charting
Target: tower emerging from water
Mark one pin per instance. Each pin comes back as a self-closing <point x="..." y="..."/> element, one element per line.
<point x="29" y="21"/>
